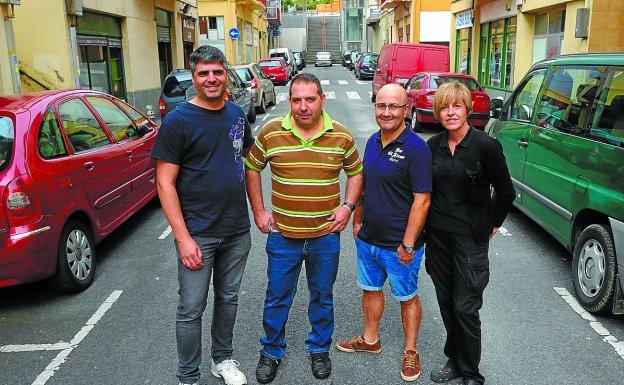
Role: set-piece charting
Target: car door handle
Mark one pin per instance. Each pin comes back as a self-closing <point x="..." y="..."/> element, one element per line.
<point x="89" y="165"/>
<point x="523" y="143"/>
<point x="129" y="153"/>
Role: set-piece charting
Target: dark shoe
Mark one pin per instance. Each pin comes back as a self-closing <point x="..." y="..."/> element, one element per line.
<point x="357" y="344"/>
<point x="470" y="381"/>
<point x="321" y="365"/>
<point x="266" y="369"/>
<point x="444" y="373"/>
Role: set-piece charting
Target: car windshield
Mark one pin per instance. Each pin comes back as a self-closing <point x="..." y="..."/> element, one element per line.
<point x="7" y="135"/>
<point x="270" y="63"/>
<point x="177" y="85"/>
<point x="244" y="74"/>
<point x="323" y="54"/>
<point x="279" y="54"/>
<point x="437" y="81"/>
<point x="368" y="58"/>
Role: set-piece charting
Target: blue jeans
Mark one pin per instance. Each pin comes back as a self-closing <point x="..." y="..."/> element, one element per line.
<point x="286" y="255"/>
<point x="224" y="258"/>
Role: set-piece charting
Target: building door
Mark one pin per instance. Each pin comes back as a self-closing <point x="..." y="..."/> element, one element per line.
<point x="163" y="36"/>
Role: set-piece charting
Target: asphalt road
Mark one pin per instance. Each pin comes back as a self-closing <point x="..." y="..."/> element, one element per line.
<point x="121" y="330"/>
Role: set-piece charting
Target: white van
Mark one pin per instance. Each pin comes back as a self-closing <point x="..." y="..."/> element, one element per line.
<point x="288" y="56"/>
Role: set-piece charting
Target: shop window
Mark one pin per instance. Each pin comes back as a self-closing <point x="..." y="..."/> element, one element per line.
<point x="548" y="35"/>
<point x="462" y="50"/>
<point x="567" y="98"/>
<point x="497" y="53"/>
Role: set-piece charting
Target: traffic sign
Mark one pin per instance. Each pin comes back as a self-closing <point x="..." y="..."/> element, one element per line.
<point x="234" y="33"/>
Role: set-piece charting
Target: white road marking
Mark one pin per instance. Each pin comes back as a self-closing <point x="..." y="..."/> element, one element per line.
<point x="281" y="97"/>
<point x="165" y="233"/>
<point x="353" y="95"/>
<point x="65" y="347"/>
<point x="324" y="82"/>
<point x="330" y="95"/>
<point x="256" y="128"/>
<point x="343" y="82"/>
<point x="504" y="232"/>
<point x="272" y="108"/>
<point x="265" y="117"/>
<point x="360" y="82"/>
<point x="618" y="346"/>
<point x="370" y="94"/>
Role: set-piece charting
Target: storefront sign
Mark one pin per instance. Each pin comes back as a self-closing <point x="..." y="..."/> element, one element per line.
<point x="463" y="19"/>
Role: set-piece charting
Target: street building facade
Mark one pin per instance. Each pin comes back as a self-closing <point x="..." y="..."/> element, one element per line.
<point x="497" y="41"/>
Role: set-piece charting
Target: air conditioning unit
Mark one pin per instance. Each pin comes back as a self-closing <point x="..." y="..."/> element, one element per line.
<point x="74" y="7"/>
<point x="11" y="2"/>
<point x="581" y="30"/>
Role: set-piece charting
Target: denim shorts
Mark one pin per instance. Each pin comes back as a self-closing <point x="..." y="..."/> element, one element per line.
<point x="375" y="264"/>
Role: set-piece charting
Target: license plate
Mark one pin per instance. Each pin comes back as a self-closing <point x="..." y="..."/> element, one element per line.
<point x="401" y="81"/>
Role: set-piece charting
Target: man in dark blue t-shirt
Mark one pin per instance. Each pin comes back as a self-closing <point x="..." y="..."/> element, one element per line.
<point x="388" y="224"/>
<point x="201" y="185"/>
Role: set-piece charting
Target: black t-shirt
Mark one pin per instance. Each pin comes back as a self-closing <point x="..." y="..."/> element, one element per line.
<point x="208" y="147"/>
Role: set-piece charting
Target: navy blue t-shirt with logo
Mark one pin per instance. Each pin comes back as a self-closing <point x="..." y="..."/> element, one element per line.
<point x="391" y="175"/>
<point x="208" y="146"/>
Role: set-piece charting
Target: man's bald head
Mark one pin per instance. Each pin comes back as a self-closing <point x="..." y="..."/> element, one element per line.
<point x="393" y="91"/>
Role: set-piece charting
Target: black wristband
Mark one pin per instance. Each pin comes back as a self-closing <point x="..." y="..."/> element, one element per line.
<point x="350" y="205"/>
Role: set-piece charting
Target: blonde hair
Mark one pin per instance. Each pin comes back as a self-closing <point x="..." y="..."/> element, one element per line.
<point x="449" y="93"/>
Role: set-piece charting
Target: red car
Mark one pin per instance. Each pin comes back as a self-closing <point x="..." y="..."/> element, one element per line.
<point x="276" y="69"/>
<point x="422" y="87"/>
<point x="74" y="165"/>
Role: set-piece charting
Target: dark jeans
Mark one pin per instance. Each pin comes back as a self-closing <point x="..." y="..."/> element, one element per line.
<point x="224" y="259"/>
<point x="459" y="268"/>
<point x="286" y="255"/>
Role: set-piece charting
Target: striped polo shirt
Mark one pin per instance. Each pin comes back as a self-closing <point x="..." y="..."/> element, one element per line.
<point x="304" y="173"/>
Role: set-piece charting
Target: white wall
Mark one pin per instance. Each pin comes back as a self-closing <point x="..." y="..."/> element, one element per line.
<point x="435" y="26"/>
<point x="293" y="38"/>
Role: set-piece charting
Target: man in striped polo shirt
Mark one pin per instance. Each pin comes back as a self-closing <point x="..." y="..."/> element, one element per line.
<point x="306" y="151"/>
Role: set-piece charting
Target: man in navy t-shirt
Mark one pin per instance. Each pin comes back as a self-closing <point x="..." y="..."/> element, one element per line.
<point x="201" y="185"/>
<point x="388" y="224"/>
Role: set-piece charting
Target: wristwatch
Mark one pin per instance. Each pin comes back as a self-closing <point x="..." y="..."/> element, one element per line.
<point x="408" y="249"/>
<point x="350" y="205"/>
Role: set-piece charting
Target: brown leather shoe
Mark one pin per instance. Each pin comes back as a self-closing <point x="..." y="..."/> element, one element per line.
<point x="357" y="344"/>
<point x="411" y="365"/>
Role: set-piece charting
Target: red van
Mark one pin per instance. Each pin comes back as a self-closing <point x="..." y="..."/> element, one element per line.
<point x="398" y="62"/>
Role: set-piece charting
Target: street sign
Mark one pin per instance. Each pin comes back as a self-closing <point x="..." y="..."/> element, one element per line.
<point x="234" y="33"/>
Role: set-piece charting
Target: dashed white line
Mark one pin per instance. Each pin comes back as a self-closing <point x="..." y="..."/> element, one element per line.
<point x="265" y="117"/>
<point x="281" y="97"/>
<point x="359" y="82"/>
<point x="343" y="82"/>
<point x="272" y="108"/>
<point x="353" y="95"/>
<point x="324" y="82"/>
<point x="618" y="346"/>
<point x="165" y="233"/>
<point x="330" y="95"/>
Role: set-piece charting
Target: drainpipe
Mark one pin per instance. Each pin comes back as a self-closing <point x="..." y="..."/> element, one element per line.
<point x="10" y="39"/>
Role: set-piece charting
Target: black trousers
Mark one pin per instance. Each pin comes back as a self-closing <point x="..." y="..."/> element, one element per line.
<point x="459" y="268"/>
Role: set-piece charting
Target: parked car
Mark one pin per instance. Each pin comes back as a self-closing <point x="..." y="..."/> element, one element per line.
<point x="288" y="56"/>
<point x="276" y="69"/>
<point x="562" y="132"/>
<point x="355" y="55"/>
<point x="323" y="59"/>
<point x="238" y="91"/>
<point x="174" y="90"/>
<point x="365" y="67"/>
<point x="74" y="165"/>
<point x="422" y="87"/>
<point x="398" y="62"/>
<point x="261" y="87"/>
<point x="346" y="57"/>
<point x="299" y="61"/>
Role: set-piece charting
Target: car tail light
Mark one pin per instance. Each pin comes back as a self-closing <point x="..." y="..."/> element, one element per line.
<point x="481" y="103"/>
<point x="361" y="65"/>
<point x="254" y="83"/>
<point x="21" y="208"/>
<point x="162" y="107"/>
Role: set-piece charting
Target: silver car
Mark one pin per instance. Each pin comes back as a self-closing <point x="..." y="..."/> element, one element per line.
<point x="323" y="59"/>
<point x="262" y="89"/>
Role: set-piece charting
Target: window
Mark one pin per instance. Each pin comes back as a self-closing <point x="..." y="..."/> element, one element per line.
<point x="212" y="31"/>
<point x="135" y="115"/>
<point x="415" y="83"/>
<point x="7" y="137"/>
<point x="50" y="141"/>
<point x="498" y="47"/>
<point x="177" y="85"/>
<point x="259" y="72"/>
<point x="525" y="98"/>
<point x="462" y="50"/>
<point x="244" y="74"/>
<point x="548" y="35"/>
<point x="436" y="81"/>
<point x="608" y="121"/>
<point x="118" y="123"/>
<point x="82" y="129"/>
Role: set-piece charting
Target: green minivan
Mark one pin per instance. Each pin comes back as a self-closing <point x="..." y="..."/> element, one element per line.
<point x="562" y="131"/>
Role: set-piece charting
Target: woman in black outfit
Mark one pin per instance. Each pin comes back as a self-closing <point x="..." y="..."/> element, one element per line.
<point x="464" y="215"/>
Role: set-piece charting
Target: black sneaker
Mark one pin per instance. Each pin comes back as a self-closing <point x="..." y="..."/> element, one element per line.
<point x="266" y="369"/>
<point x="444" y="373"/>
<point x="321" y="365"/>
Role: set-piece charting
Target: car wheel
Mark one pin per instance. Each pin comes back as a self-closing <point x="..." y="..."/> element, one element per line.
<point x="75" y="264"/>
<point x="274" y="100"/>
<point x="251" y="115"/>
<point x="359" y="76"/>
<point x="416" y="125"/>
<point x="594" y="268"/>
<point x="262" y="106"/>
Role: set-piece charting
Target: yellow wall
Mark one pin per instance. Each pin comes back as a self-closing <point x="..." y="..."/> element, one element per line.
<point x="6" y="81"/>
<point x="606" y="31"/>
<point x="44" y="57"/>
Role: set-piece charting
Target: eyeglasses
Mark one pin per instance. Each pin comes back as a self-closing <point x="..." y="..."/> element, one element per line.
<point x="392" y="107"/>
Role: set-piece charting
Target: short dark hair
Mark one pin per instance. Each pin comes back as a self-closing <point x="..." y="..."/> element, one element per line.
<point x="207" y="54"/>
<point x="305" y="77"/>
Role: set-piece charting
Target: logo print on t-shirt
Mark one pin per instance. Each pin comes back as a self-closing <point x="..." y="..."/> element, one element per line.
<point x="236" y="134"/>
<point x="396" y="155"/>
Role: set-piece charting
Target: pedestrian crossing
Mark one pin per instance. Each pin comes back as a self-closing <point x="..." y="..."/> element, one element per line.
<point x="351" y="95"/>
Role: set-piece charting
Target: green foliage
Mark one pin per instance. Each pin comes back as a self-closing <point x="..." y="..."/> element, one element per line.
<point x="303" y="4"/>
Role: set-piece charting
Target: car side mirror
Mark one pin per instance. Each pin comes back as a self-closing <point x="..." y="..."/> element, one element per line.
<point x="496" y="106"/>
<point x="246" y="84"/>
<point x="143" y="129"/>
